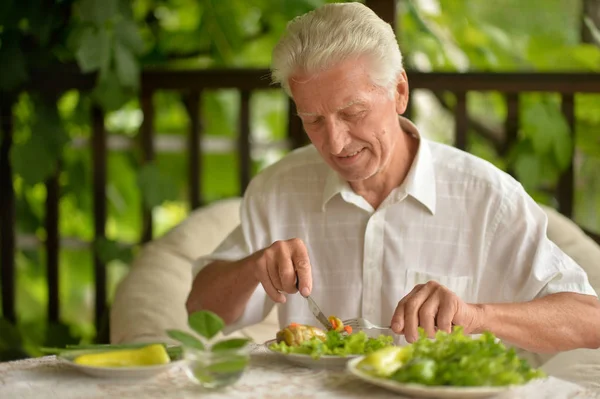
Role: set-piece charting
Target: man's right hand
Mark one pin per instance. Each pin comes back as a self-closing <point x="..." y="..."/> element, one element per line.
<point x="278" y="265"/>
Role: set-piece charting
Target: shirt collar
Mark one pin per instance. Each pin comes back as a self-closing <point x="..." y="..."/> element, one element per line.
<point x="419" y="182"/>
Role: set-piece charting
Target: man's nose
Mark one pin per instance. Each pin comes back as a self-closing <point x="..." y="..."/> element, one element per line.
<point x="337" y="136"/>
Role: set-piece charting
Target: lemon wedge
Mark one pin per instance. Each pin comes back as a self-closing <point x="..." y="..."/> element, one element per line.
<point x="150" y="355"/>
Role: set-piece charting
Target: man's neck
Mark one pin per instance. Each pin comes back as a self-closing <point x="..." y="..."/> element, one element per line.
<point x="377" y="188"/>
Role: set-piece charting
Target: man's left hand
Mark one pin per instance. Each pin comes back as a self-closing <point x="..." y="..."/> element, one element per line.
<point x="433" y="307"/>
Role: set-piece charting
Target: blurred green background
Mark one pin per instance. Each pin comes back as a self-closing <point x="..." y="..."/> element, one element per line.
<point x="118" y="38"/>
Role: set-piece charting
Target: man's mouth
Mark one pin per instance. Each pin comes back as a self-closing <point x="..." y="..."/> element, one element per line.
<point x="351" y="154"/>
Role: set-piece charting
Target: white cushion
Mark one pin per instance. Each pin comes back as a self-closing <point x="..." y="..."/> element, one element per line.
<point x="151" y="298"/>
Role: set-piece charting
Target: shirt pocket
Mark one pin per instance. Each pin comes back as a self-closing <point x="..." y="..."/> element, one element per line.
<point x="462" y="286"/>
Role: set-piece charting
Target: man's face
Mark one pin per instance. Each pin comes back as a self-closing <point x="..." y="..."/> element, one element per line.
<point x="352" y="122"/>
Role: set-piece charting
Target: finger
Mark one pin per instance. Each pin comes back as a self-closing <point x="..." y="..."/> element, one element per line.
<point x="285" y="270"/>
<point x="445" y="316"/>
<point x="265" y="280"/>
<point x="427" y="314"/>
<point x="397" y="322"/>
<point x="271" y="255"/>
<point x="302" y="265"/>
<point x="411" y="312"/>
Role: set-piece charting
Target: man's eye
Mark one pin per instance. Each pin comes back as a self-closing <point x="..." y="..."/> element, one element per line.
<point x="355" y="115"/>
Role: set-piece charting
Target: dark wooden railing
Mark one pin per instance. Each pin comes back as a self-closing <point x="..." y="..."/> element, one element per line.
<point x="191" y="84"/>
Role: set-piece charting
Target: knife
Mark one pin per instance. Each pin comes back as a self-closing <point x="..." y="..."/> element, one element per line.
<point x="314" y="308"/>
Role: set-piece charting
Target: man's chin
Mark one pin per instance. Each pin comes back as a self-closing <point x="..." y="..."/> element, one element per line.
<point x="355" y="176"/>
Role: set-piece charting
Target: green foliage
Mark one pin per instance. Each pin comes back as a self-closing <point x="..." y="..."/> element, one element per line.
<point x="469" y="35"/>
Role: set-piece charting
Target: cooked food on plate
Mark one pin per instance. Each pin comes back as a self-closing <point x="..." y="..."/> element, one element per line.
<point x="315" y="342"/>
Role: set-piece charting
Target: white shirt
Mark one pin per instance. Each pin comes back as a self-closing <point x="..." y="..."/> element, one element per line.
<point x="456" y="219"/>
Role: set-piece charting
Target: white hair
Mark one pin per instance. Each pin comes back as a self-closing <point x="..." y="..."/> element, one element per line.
<point x="332" y="33"/>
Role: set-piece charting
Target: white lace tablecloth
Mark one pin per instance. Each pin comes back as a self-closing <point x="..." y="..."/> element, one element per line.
<point x="267" y="377"/>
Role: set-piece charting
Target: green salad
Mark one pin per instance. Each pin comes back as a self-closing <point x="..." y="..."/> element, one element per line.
<point x="335" y="343"/>
<point x="451" y="360"/>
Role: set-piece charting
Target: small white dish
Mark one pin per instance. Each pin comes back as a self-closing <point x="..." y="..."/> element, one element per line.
<point x="140" y="372"/>
<point x="323" y="362"/>
<point x="424" y="391"/>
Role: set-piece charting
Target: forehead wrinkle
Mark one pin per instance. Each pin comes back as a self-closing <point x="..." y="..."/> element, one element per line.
<point x="347" y="105"/>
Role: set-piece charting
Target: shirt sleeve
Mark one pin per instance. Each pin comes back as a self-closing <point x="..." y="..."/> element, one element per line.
<point x="528" y="264"/>
<point x="249" y="236"/>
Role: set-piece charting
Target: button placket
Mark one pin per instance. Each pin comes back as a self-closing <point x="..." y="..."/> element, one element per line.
<point x="372" y="264"/>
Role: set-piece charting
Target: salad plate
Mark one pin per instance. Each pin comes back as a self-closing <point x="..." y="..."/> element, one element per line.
<point x="451" y="365"/>
<point x="423" y="391"/>
<point x="138" y="372"/>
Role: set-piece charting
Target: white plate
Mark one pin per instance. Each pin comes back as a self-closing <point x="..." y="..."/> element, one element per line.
<point x="424" y="391"/>
<point x="326" y="362"/>
<point x="115" y="372"/>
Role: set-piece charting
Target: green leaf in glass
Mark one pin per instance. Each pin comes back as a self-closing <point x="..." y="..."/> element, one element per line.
<point x="186" y="339"/>
<point x="206" y="323"/>
<point x="229" y="344"/>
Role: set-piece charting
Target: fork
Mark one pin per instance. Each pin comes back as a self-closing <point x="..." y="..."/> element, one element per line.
<point x="364" y="324"/>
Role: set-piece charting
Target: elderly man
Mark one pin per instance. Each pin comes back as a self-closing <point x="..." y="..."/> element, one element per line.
<point x="375" y="221"/>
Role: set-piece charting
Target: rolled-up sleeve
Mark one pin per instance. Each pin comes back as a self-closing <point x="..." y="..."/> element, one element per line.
<point x="528" y="263"/>
<point x="233" y="248"/>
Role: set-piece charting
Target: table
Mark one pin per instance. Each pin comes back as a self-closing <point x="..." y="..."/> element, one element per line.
<point x="268" y="377"/>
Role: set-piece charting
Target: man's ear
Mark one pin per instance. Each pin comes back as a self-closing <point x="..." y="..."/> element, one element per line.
<point x="401" y="94"/>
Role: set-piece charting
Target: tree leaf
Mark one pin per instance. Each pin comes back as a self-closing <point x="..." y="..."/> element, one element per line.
<point x="109" y="93"/>
<point x="59" y="335"/>
<point x="35" y="159"/>
<point x="206" y="323"/>
<point x="128" y="34"/>
<point x="9" y="335"/>
<point x="156" y="188"/>
<point x="93" y="52"/>
<point x="186" y="339"/>
<point x="126" y="66"/>
<point x="528" y="169"/>
<point x="14" y="68"/>
<point x="228" y="344"/>
<point x="7" y="14"/>
<point x="109" y="250"/>
<point x="97" y="11"/>
<point x="32" y="161"/>
<point x="563" y="150"/>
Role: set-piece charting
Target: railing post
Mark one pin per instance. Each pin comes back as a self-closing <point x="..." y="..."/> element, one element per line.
<point x="461" y="123"/>
<point x="147" y="133"/>
<point x="566" y="183"/>
<point x="244" y="141"/>
<point x="7" y="214"/>
<point x="511" y="125"/>
<point x="192" y="103"/>
<point x="99" y="161"/>
<point x="52" y="243"/>
<point x="385" y="9"/>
